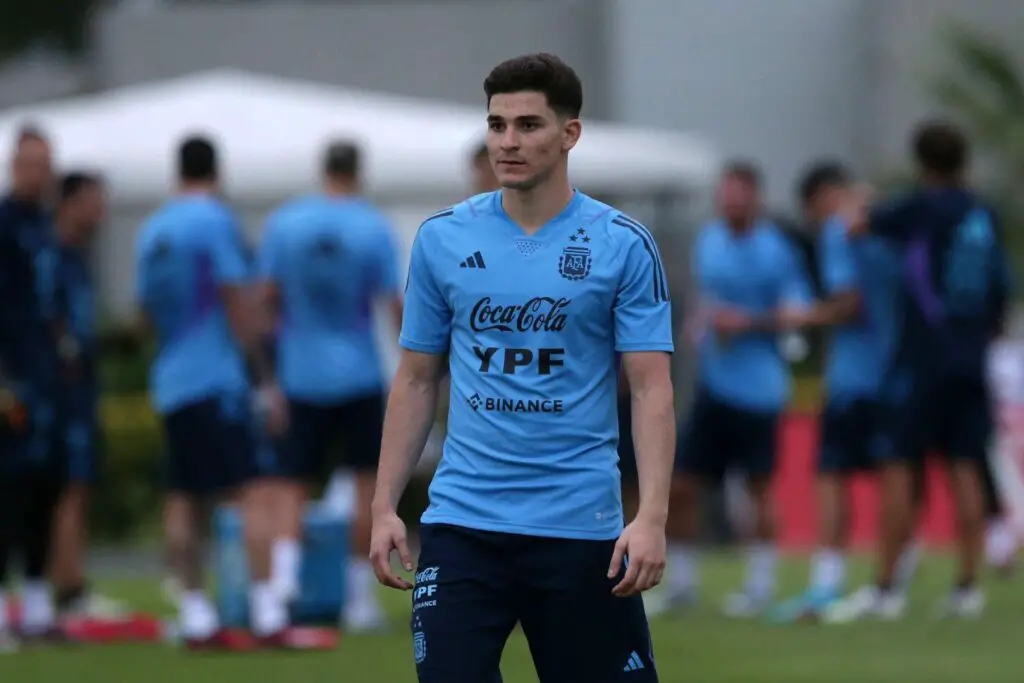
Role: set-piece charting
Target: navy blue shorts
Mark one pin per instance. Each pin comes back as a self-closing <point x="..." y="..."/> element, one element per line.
<point x="473" y="587"/>
<point x="851" y="436"/>
<point x="951" y="417"/>
<point x="718" y="438"/>
<point x="627" y="452"/>
<point x="356" y="426"/>
<point x="210" y="446"/>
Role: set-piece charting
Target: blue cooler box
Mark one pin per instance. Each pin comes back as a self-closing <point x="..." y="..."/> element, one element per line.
<point x="321" y="576"/>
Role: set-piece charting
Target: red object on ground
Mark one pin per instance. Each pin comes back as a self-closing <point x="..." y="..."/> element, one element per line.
<point x="135" y="628"/>
<point x="797" y="508"/>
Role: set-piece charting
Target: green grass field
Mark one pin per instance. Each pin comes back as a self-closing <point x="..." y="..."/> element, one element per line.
<point x="698" y="648"/>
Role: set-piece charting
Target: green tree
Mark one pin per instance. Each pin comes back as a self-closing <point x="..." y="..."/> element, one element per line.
<point x="61" y="24"/>
<point x="981" y="84"/>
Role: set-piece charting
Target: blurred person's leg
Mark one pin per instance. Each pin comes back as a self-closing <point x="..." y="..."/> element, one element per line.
<point x="42" y="490"/>
<point x="700" y="457"/>
<point x="1000" y="539"/>
<point x="197" y="468"/>
<point x="305" y="446"/>
<point x="753" y="442"/>
<point x="845" y="436"/>
<point x="256" y="478"/>
<point x="967" y="417"/>
<point x="10" y="521"/>
<point x="362" y="422"/>
<point x="67" y="569"/>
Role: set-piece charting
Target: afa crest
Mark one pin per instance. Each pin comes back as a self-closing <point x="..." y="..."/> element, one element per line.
<point x="419" y="647"/>
<point x="574" y="263"/>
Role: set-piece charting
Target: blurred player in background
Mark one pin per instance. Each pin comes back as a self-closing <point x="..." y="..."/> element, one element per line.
<point x="534" y="291"/>
<point x="193" y="280"/>
<point x="748" y="276"/>
<point x="325" y="261"/>
<point x="938" y="394"/>
<point x="861" y="281"/>
<point x="30" y="481"/>
<point x="80" y="209"/>
<point x="484" y="179"/>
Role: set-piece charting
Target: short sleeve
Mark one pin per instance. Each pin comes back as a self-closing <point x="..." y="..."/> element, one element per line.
<point x="228" y="252"/>
<point x="642" y="310"/>
<point x="426" y="317"/>
<point x="838" y="268"/>
<point x="387" y="262"/>
<point x="794" y="287"/>
<point x="269" y="258"/>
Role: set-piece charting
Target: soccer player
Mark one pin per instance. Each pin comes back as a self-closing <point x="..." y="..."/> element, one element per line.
<point x="862" y="282"/>
<point x="749" y="277"/>
<point x="81" y="207"/>
<point x="194" y="283"/>
<point x="325" y="261"/>
<point x="29" y="480"/>
<point x="938" y="394"/>
<point x="534" y="291"/>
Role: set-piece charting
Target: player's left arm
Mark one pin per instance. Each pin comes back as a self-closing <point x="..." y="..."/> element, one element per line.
<point x="232" y="273"/>
<point x="841" y="302"/>
<point x="643" y="335"/>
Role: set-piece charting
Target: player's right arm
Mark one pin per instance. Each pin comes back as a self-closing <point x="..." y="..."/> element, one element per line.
<point x="842" y="302"/>
<point x="412" y="403"/>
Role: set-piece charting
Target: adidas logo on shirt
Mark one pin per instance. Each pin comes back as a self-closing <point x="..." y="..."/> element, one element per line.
<point x="475" y="260"/>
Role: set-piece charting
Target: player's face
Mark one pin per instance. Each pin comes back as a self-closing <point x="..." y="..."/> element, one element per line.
<point x="738" y="200"/>
<point x="824" y="203"/>
<point x="526" y="139"/>
<point x="32" y="171"/>
<point x="93" y="208"/>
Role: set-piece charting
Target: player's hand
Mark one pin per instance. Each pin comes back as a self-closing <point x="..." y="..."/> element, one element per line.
<point x="273" y="405"/>
<point x="389" y="534"/>
<point x="728" y="323"/>
<point x="642" y="547"/>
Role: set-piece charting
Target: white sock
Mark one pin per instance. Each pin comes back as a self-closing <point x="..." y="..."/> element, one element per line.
<point x="1000" y="542"/>
<point x="682" y="569"/>
<point x="360" y="586"/>
<point x="197" y="616"/>
<point x="761" y="571"/>
<point x="285" y="558"/>
<point x="828" y="570"/>
<point x="37" y="613"/>
<point x="267" y="609"/>
<point x="906" y="566"/>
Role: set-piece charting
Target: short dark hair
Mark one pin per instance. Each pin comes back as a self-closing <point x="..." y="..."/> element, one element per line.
<point x="342" y="158"/>
<point x="743" y="169"/>
<point x="819" y="176"/>
<point x="940" y="147"/>
<point x="197" y="159"/>
<point x="75" y="182"/>
<point x="542" y="72"/>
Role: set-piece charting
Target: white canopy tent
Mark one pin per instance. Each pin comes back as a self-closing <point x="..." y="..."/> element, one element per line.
<point x="272" y="132"/>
